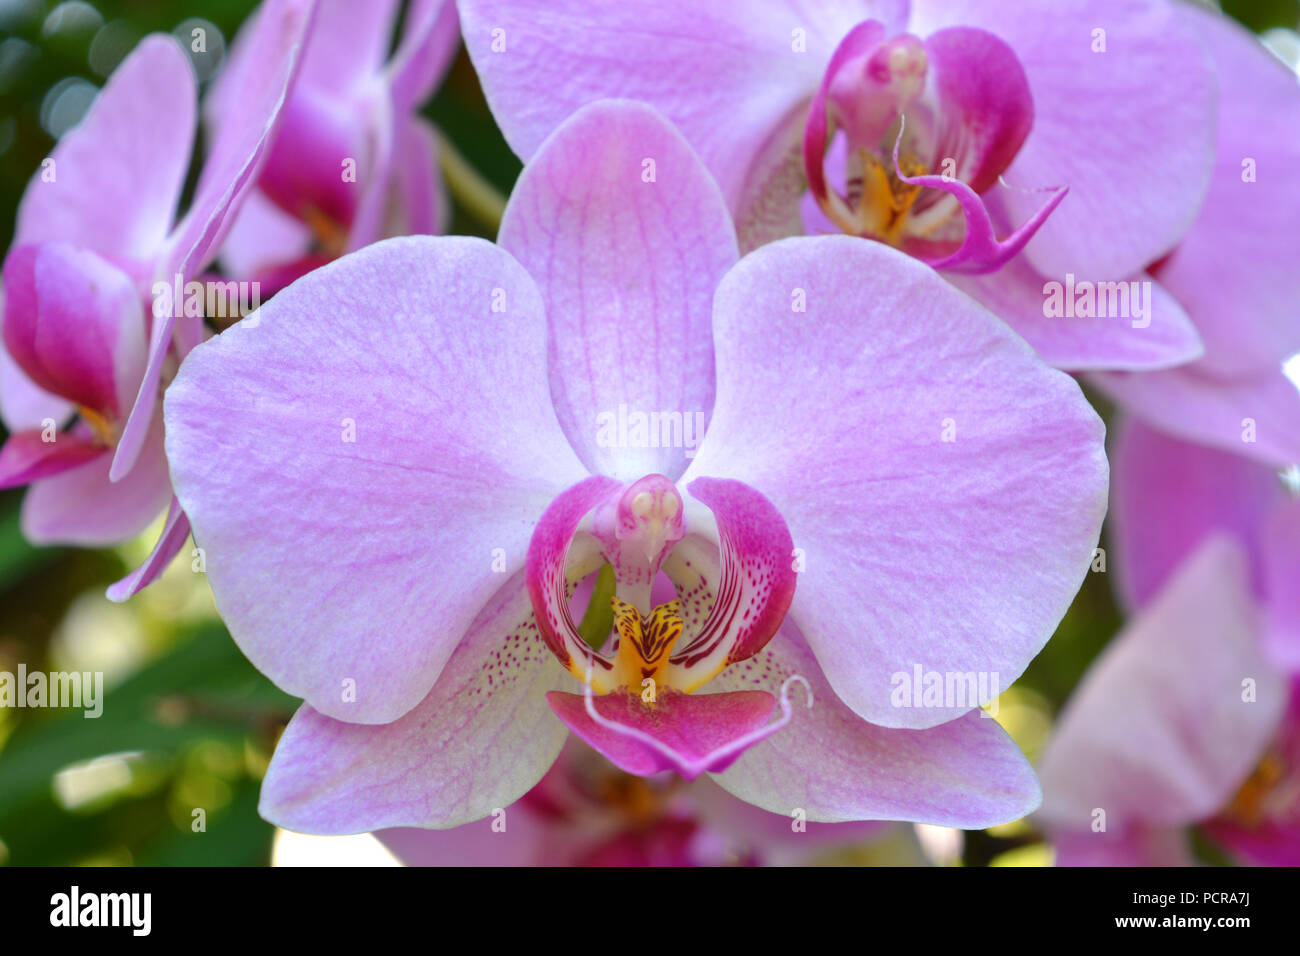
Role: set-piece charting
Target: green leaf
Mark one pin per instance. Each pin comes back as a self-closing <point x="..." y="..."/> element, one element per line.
<point x="205" y="688"/>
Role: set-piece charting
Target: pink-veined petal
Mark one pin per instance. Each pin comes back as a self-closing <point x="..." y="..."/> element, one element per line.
<point x="835" y="766"/>
<point x="378" y="438"/>
<point x="1235" y="270"/>
<point x="480" y="739"/>
<point x="726" y="74"/>
<point x="627" y="237"/>
<point x="900" y="430"/>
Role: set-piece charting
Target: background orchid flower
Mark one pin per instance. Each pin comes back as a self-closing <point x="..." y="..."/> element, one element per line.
<point x="825" y="411"/>
<point x="586" y="813"/>
<point x="1235" y="271"/>
<point x="954" y="130"/>
<point x="1160" y="734"/>
<point x="1163" y="733"/>
<point x="97" y="226"/>
<point x="1169" y="496"/>
<point x="352" y="162"/>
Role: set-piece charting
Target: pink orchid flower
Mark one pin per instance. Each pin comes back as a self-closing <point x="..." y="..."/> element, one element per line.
<point x="586" y="813"/>
<point x="1235" y="271"/>
<point x="403" y="471"/>
<point x="96" y="229"/>
<point x="950" y="129"/>
<point x="352" y="162"/>
<point x="1162" y="733"/>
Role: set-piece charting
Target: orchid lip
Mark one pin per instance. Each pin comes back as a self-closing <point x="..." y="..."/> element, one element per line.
<point x="733" y="586"/>
<point x="926" y="127"/>
<point x="690" y="766"/>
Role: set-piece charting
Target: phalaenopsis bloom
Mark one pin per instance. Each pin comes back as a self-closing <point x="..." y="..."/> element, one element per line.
<point x="352" y="162"/>
<point x="1234" y="272"/>
<point x="86" y="351"/>
<point x="404" y="470"/>
<point x="1192" y="715"/>
<point x="1010" y="145"/>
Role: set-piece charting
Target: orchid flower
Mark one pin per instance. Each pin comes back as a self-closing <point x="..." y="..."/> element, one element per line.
<point x="403" y="471"/>
<point x="1185" y="719"/>
<point x="586" y="813"/>
<point x="950" y="129"/>
<point x="1235" y="271"/>
<point x="96" y="228"/>
<point x="352" y="162"/>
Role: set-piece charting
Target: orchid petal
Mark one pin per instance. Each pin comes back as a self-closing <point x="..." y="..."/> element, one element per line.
<point x="627" y="267"/>
<point x="1161" y="338"/>
<point x="480" y="739"/>
<point x="260" y="88"/>
<point x="280" y="435"/>
<point x="1160" y="730"/>
<point x="1257" y="416"/>
<point x="75" y="324"/>
<point x="835" y="766"/>
<point x="1281" y="561"/>
<point x="262" y="238"/>
<point x="425" y="52"/>
<point x="1236" y="269"/>
<point x="725" y="75"/>
<point x="84" y="507"/>
<point x="23" y="403"/>
<point x="417" y="187"/>
<point x="26" y="457"/>
<point x="1168" y="496"/>
<point x="170" y="541"/>
<point x="1134" y="845"/>
<point x="117" y="175"/>
<point x="687" y="733"/>
<point x="958" y="554"/>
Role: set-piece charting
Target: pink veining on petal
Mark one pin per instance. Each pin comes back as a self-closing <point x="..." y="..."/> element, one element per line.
<point x="757" y="580"/>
